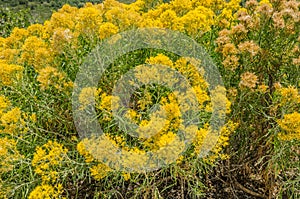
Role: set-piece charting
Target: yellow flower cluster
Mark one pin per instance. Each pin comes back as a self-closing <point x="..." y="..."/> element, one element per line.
<point x="13" y="126"/>
<point x="46" y="191"/>
<point x="10" y="73"/>
<point x="87" y="94"/>
<point x="100" y="171"/>
<point x="289" y="95"/>
<point x="290" y="123"/>
<point x="107" y="104"/>
<point x="185" y="65"/>
<point x="191" y="16"/>
<point x="48" y="159"/>
<point x="223" y="141"/>
<point x="162" y="128"/>
<point x="200" y="136"/>
<point x="41" y="45"/>
<point x="12" y="120"/>
<point x="8" y="154"/>
<point x="159" y="134"/>
<point x="35" y="52"/>
<point x="133" y="157"/>
<point x="105" y="19"/>
<point x="50" y="76"/>
<point x="84" y="152"/>
<point x="107" y="29"/>
<point x="88" y="20"/>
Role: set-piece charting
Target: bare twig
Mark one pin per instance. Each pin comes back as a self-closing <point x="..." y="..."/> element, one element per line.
<point x="237" y="184"/>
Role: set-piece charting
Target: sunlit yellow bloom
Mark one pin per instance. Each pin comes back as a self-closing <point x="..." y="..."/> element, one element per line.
<point x="198" y="21"/>
<point x="84" y="152"/>
<point x="165" y="139"/>
<point x="9" y="55"/>
<point x="35" y="52"/>
<point x="290" y="123"/>
<point x="289" y="95"/>
<point x="100" y="171"/>
<point x="107" y="29"/>
<point x="50" y="76"/>
<point x="126" y="176"/>
<point x="8" y="154"/>
<point x="160" y="59"/>
<point x="36" y="30"/>
<point x="222" y="141"/>
<point x="9" y="73"/>
<point x="47" y="191"/>
<point x="4" y="102"/>
<point x="16" y="38"/>
<point x="48" y="159"/>
<point x="88" y="21"/>
<point x="86" y="95"/>
<point x="109" y="102"/>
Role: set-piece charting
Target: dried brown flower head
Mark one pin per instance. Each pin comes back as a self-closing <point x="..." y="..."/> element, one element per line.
<point x="248" y="80"/>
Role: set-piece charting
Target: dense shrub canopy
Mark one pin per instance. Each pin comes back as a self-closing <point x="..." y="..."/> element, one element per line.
<point x="256" y="47"/>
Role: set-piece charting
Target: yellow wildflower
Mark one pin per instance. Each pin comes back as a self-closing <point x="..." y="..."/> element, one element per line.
<point x="47" y="191"/>
<point x="160" y="59"/>
<point x="9" y="73"/>
<point x="35" y="52"/>
<point x="47" y="159"/>
<point x="100" y="171"/>
<point x="8" y="154"/>
<point x="107" y="29"/>
<point x="50" y="76"/>
<point x="86" y="95"/>
<point x="126" y="176"/>
<point x="291" y="125"/>
<point x="289" y="95"/>
<point x="84" y="152"/>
